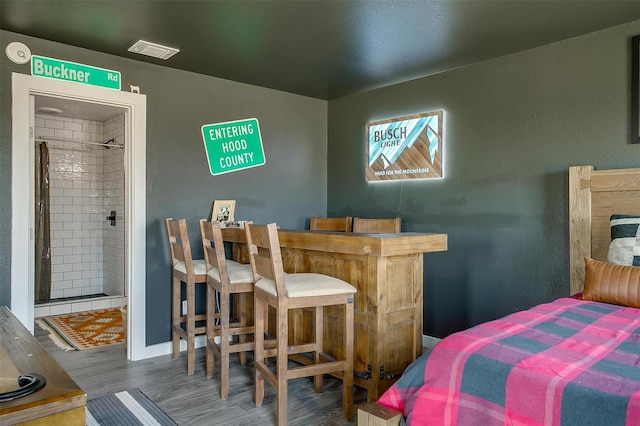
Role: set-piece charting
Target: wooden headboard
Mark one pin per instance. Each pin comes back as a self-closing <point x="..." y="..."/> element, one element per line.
<point x="594" y="195"/>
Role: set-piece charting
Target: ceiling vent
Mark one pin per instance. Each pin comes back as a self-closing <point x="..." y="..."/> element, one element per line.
<point x="152" y="49"/>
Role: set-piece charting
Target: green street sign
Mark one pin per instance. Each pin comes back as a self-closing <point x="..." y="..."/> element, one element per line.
<point x="233" y="145"/>
<point x="70" y="71"/>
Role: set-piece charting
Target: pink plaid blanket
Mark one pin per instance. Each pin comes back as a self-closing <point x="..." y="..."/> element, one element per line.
<point x="568" y="362"/>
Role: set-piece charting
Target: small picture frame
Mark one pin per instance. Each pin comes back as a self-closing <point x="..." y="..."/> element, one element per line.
<point x="223" y="210"/>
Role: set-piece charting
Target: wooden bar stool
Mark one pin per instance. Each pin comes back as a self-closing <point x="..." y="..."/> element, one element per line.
<point x="225" y="278"/>
<point x="341" y="224"/>
<point x="191" y="272"/>
<point x="377" y="226"/>
<point x="283" y="292"/>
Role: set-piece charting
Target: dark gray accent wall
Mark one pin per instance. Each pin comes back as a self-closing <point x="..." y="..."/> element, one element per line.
<point x="288" y="189"/>
<point x="513" y="126"/>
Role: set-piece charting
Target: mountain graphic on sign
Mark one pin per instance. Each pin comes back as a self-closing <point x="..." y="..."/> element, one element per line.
<point x="385" y="162"/>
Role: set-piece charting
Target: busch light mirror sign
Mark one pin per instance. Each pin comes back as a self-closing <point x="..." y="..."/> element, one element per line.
<point x="405" y="148"/>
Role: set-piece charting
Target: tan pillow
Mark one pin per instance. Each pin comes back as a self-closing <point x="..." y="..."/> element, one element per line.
<point x="609" y="283"/>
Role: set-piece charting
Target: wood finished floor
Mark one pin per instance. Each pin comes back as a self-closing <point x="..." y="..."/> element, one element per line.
<point x="195" y="400"/>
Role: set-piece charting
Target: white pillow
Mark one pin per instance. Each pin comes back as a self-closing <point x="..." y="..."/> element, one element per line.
<point x="624" y="248"/>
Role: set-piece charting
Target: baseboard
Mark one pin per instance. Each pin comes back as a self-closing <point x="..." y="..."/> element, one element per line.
<point x="166" y="348"/>
<point x="429" y="341"/>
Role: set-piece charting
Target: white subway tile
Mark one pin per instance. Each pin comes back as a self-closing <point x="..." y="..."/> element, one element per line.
<point x="70" y="125"/>
<point x="100" y="304"/>
<point x="80" y="306"/>
<point x="57" y="243"/>
<point x="72" y="225"/>
<point x="87" y="291"/>
<point x="79" y="267"/>
<point x="71" y="209"/>
<point x="72" y="192"/>
<point x="72" y="259"/>
<point x="61" y="269"/>
<point x="63" y="134"/>
<point x="53" y="124"/>
<point x="72" y="242"/>
<point x="62" y="217"/>
<point x="72" y="292"/>
<point x="88" y="274"/>
<point x="64" y="284"/>
<point x="59" y="309"/>
<point x="61" y="234"/>
<point x="41" y="311"/>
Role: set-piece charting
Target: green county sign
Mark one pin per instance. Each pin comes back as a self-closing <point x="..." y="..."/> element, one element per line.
<point x="70" y="71"/>
<point x="233" y="145"/>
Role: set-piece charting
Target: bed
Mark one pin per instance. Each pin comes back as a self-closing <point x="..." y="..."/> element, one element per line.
<point x="571" y="361"/>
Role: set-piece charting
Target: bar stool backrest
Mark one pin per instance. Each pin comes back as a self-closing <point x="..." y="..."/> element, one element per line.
<point x="179" y="243"/>
<point x="377" y="226"/>
<point x="339" y="224"/>
<point x="265" y="255"/>
<point x="213" y="246"/>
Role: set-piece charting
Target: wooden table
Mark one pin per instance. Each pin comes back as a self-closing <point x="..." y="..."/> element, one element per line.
<point x="387" y="271"/>
<point x="60" y="402"/>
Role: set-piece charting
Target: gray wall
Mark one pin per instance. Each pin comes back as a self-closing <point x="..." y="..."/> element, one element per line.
<point x="288" y="189"/>
<point x="513" y="126"/>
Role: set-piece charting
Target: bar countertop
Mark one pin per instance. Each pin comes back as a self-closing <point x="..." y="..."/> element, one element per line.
<point x="353" y="243"/>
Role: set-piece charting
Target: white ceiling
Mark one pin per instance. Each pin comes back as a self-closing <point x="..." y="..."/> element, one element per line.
<point x="77" y="109"/>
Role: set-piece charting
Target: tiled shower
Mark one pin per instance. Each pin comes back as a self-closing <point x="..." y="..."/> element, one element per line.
<point x="86" y="185"/>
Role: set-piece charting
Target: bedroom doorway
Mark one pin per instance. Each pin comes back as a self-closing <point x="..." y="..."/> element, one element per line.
<point x="132" y="109"/>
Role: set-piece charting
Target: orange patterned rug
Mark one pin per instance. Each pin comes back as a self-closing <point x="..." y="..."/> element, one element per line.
<point x="85" y="330"/>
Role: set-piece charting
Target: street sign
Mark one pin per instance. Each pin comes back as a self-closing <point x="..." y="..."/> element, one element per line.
<point x="233" y="145"/>
<point x="70" y="71"/>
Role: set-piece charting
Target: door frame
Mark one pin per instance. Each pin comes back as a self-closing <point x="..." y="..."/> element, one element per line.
<point x="22" y="196"/>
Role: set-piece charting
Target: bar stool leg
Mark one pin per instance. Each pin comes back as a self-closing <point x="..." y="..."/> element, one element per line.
<point x="347" y="375"/>
<point x="211" y="324"/>
<point x="175" y="317"/>
<point x="317" y="379"/>
<point x="191" y="328"/>
<point x="282" y="366"/>
<point x="242" y="318"/>
<point x="259" y="318"/>
<point x="224" y="344"/>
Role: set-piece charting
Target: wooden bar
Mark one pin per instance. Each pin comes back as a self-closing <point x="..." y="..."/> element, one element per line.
<point x="59" y="402"/>
<point x="387" y="270"/>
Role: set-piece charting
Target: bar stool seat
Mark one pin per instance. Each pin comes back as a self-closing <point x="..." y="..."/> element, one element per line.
<point x="199" y="267"/>
<point x="307" y="284"/>
<point x="239" y="273"/>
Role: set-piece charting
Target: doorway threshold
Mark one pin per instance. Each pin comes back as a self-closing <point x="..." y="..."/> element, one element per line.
<point x="80" y="305"/>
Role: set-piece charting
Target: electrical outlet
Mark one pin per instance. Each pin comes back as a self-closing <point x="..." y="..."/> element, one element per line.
<point x="184" y="307"/>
